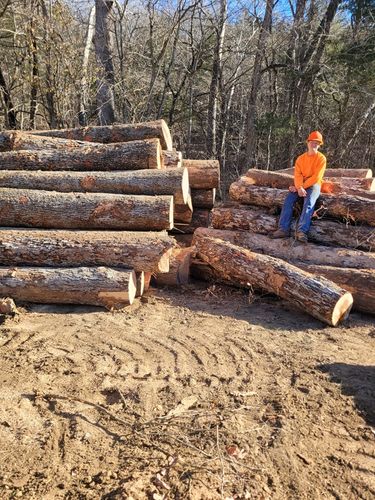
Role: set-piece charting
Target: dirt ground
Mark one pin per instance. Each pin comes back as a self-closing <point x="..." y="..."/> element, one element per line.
<point x="197" y="393"/>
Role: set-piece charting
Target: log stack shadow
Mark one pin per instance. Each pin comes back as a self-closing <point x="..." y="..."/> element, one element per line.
<point x="321" y="277"/>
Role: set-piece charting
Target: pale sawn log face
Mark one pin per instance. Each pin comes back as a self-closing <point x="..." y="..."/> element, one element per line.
<point x="134" y="155"/>
<point x="321" y="231"/>
<point x="349" y="208"/>
<point x="32" y="208"/>
<point x="317" y="296"/>
<point x="142" y="251"/>
<point x="116" y="133"/>
<point x="100" y="286"/>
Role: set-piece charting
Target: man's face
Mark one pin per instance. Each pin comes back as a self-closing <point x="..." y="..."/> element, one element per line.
<point x="313" y="145"/>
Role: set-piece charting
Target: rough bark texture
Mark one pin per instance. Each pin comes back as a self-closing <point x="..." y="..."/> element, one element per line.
<point x="203" y="174"/>
<point x="317" y="296"/>
<point x="139" y="182"/>
<point x="116" y="133"/>
<point x="142" y="251"/>
<point x="179" y="268"/>
<point x="349" y="208"/>
<point x="359" y="282"/>
<point x="172" y="159"/>
<point x="17" y="141"/>
<point x="292" y="251"/>
<point x="321" y="231"/>
<point x="128" y="156"/>
<point x="203" y="198"/>
<point x="98" y="286"/>
<point x="200" y="218"/>
<point x="183" y="213"/>
<point x="360" y="173"/>
<point x="202" y="271"/>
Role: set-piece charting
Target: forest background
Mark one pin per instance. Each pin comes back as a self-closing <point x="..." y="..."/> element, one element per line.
<point x="241" y="81"/>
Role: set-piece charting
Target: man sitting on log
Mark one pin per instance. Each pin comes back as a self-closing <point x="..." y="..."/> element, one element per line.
<point x="308" y="176"/>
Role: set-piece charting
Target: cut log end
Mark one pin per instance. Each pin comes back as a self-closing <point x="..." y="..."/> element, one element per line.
<point x="167" y="138"/>
<point x="156" y="161"/>
<point x="342" y="309"/>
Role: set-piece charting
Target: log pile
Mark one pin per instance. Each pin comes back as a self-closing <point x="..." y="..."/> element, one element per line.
<point x="323" y="277"/>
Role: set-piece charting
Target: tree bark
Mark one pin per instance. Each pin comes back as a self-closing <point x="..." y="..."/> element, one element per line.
<point x="48" y="209"/>
<point x="98" y="286"/>
<point x="200" y="218"/>
<point x="203" y="198"/>
<point x="292" y="252"/>
<point x="317" y="296"/>
<point x="116" y="133"/>
<point x="179" y="268"/>
<point x="128" y="156"/>
<point x="321" y="231"/>
<point x="139" y="182"/>
<point x="19" y="140"/>
<point x="172" y="159"/>
<point x="203" y="174"/>
<point x="359" y="173"/>
<point x="142" y="251"/>
<point x="346" y="207"/>
<point x="183" y="213"/>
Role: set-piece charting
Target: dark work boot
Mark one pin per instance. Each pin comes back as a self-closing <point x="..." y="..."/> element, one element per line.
<point x="301" y="237"/>
<point x="280" y="233"/>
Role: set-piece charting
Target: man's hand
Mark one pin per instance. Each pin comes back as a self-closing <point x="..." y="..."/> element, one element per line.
<point x="292" y="189"/>
<point x="302" y="192"/>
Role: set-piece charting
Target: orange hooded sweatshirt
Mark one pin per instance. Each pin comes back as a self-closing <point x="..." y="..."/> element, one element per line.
<point x="309" y="170"/>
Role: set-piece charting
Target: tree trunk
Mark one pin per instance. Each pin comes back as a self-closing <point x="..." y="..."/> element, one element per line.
<point x="116" y="133"/>
<point x="200" y="218"/>
<point x="172" y="159"/>
<point x="288" y="250"/>
<point x="18" y="140"/>
<point x="48" y="209"/>
<point x="142" y="251"/>
<point x="203" y="198"/>
<point x="321" y="231"/>
<point x="128" y="156"/>
<point x="359" y="282"/>
<point x="349" y="208"/>
<point x="203" y="174"/>
<point x="359" y="173"/>
<point x="179" y="268"/>
<point x="98" y="286"/>
<point x="84" y="90"/>
<point x="9" y="112"/>
<point x="317" y="296"/>
<point x="139" y="182"/>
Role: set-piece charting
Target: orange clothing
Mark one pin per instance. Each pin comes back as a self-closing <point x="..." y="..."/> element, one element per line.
<point x="309" y="170"/>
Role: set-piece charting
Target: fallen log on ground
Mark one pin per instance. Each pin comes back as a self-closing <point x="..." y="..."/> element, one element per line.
<point x="317" y="296"/>
<point x="98" y="286"/>
<point x="179" y="268"/>
<point x="291" y="251"/>
<point x="48" y="209"/>
<point x="323" y="231"/>
<point x="200" y="218"/>
<point x="359" y="173"/>
<point x="334" y="185"/>
<point x="346" y="207"/>
<point x="203" y="174"/>
<point x="17" y="140"/>
<point x="134" y="155"/>
<point x="116" y="133"/>
<point x="172" y="159"/>
<point x="141" y="251"/>
<point x="203" y="198"/>
<point x="138" y="182"/>
<point x="359" y="282"/>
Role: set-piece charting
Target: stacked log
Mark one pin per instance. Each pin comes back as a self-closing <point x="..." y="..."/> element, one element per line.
<point x="340" y="250"/>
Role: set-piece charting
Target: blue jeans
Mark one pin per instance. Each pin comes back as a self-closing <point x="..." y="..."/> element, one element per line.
<point x="304" y="222"/>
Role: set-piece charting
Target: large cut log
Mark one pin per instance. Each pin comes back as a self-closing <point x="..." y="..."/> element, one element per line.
<point x="202" y="271"/>
<point x="321" y="231"/>
<point x="359" y="282"/>
<point x="116" y="133"/>
<point x="334" y="185"/>
<point x="134" y="155"/>
<point x="349" y="208"/>
<point x="48" y="209"/>
<point x="203" y="174"/>
<point x="172" y="159"/>
<point x="291" y="251"/>
<point x="183" y="212"/>
<point x="139" y="182"/>
<point x="359" y="173"/>
<point x="200" y="218"/>
<point x="98" y="286"/>
<point x="203" y="198"/>
<point x="317" y="296"/>
<point x="179" y="268"/>
<point x="16" y="141"/>
<point x="142" y="251"/>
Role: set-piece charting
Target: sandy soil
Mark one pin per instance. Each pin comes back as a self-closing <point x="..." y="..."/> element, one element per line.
<point x="194" y="393"/>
